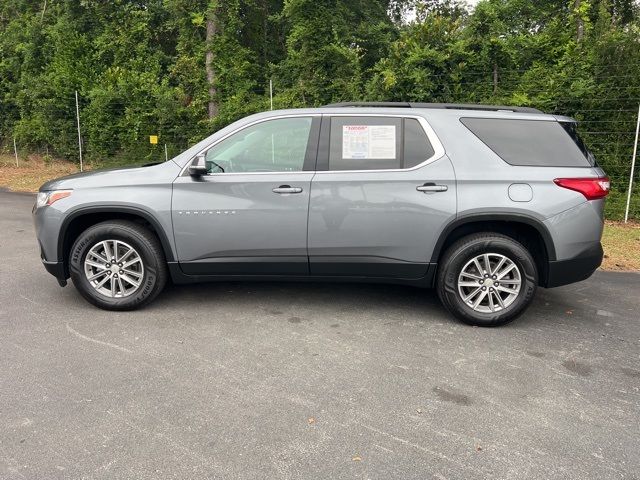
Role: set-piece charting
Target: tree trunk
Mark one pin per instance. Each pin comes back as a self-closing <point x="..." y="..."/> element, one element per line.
<point x="495" y="77"/>
<point x="265" y="26"/>
<point x="579" y="22"/>
<point x="212" y="30"/>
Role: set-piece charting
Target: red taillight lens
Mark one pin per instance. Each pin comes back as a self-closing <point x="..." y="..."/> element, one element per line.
<point x="592" y="188"/>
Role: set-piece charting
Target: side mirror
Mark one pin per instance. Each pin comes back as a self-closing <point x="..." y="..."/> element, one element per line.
<point x="198" y="167"/>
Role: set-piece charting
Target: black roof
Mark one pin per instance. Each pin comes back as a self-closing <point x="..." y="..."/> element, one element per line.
<point x="445" y="106"/>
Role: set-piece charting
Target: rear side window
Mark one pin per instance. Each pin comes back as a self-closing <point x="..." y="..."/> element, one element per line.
<point x="531" y="142"/>
<point x="377" y="143"/>
<point x="417" y="147"/>
<point x="365" y="143"/>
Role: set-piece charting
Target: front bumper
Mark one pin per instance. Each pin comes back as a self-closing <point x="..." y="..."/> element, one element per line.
<point x="57" y="270"/>
<point x="581" y="267"/>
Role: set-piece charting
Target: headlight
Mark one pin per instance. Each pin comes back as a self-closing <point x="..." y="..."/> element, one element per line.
<point x="49" y="198"/>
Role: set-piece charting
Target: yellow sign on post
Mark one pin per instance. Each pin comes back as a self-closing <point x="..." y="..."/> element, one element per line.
<point x="153" y="139"/>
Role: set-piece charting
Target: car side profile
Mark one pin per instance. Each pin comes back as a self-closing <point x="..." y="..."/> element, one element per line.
<point x="484" y="203"/>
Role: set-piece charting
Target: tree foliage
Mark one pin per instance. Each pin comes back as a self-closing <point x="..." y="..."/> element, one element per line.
<point x="139" y="65"/>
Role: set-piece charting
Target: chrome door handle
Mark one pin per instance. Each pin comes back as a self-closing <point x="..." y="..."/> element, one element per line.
<point x="432" y="187"/>
<point x="282" y="189"/>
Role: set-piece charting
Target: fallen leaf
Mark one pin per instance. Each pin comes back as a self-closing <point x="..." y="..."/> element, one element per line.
<point x="357" y="458"/>
<point x="311" y="420"/>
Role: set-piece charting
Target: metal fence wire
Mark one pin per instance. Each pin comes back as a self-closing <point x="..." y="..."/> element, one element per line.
<point x="609" y="133"/>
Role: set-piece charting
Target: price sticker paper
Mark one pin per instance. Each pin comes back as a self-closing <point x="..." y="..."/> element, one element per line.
<point x="368" y="141"/>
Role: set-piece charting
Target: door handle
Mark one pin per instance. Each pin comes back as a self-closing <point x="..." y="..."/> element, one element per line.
<point x="283" y="189"/>
<point x="432" y="187"/>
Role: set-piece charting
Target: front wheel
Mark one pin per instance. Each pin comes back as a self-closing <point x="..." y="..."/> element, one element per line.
<point x="118" y="265"/>
<point x="487" y="279"/>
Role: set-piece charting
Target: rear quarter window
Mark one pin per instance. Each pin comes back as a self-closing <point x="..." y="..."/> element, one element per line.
<point x="540" y="143"/>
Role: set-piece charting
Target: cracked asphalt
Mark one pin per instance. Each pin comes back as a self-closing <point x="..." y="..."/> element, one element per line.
<point x="318" y="381"/>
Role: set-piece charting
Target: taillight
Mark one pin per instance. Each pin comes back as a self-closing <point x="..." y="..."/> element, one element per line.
<point x="592" y="188"/>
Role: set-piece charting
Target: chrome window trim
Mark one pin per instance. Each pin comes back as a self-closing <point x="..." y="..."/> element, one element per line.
<point x="184" y="171"/>
<point x="438" y="148"/>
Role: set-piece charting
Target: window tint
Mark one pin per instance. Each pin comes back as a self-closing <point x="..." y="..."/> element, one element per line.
<point x="528" y="142"/>
<point x="365" y="143"/>
<point x="278" y="145"/>
<point x="417" y="147"/>
<point x="572" y="129"/>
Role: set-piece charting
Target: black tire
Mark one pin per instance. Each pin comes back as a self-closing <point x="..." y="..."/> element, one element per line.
<point x="146" y="245"/>
<point x="469" y="247"/>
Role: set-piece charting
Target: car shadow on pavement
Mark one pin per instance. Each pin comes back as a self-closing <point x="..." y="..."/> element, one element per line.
<point x="320" y="296"/>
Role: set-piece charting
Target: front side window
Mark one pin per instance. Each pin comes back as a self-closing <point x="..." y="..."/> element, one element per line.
<point x="278" y="145"/>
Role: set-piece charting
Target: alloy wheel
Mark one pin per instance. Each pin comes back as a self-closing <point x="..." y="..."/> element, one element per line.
<point x="489" y="283"/>
<point x="114" y="268"/>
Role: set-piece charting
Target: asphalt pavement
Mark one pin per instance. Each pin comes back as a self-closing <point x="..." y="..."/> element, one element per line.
<point x="311" y="381"/>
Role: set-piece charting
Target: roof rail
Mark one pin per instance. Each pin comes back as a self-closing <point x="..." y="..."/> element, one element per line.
<point x="444" y="106"/>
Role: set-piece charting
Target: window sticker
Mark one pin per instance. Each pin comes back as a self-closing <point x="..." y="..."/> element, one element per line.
<point x="368" y="141"/>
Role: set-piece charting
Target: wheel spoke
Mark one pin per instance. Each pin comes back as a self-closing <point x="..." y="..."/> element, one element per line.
<point x="107" y="250"/>
<point x="507" y="290"/>
<point x="97" y="256"/>
<point x="113" y="287"/>
<point x="471" y="275"/>
<point x="115" y="250"/>
<point x="487" y="263"/>
<point x="132" y="272"/>
<point x="97" y="275"/>
<point x="510" y="281"/>
<point x="121" y="286"/>
<point x="491" y="305"/>
<point x="102" y="282"/>
<point x="506" y="270"/>
<point x="129" y="280"/>
<point x="472" y="294"/>
<point x="95" y="264"/>
<point x="469" y="284"/>
<point x="500" y="263"/>
<point x="483" y="293"/>
<point x="126" y="255"/>
<point x="478" y="266"/>
<point x="499" y="299"/>
<point x="130" y="262"/>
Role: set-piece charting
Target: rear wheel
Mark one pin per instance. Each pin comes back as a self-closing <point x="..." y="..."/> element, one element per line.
<point x="487" y="279"/>
<point x="118" y="265"/>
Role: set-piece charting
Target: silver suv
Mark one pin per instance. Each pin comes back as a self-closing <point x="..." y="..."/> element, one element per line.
<point x="484" y="203"/>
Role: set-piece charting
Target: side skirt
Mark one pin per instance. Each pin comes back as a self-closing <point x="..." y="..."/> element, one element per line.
<point x="179" y="277"/>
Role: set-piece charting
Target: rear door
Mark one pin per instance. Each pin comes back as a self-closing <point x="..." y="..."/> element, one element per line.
<point x="248" y="215"/>
<point x="383" y="192"/>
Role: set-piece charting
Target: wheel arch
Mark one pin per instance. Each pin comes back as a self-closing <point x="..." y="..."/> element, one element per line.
<point x="525" y="229"/>
<point x="83" y="218"/>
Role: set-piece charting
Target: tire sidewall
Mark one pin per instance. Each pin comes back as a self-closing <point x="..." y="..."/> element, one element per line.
<point x="88" y="240"/>
<point x="463" y="254"/>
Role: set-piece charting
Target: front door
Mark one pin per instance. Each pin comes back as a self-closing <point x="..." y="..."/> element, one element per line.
<point x="248" y="216"/>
